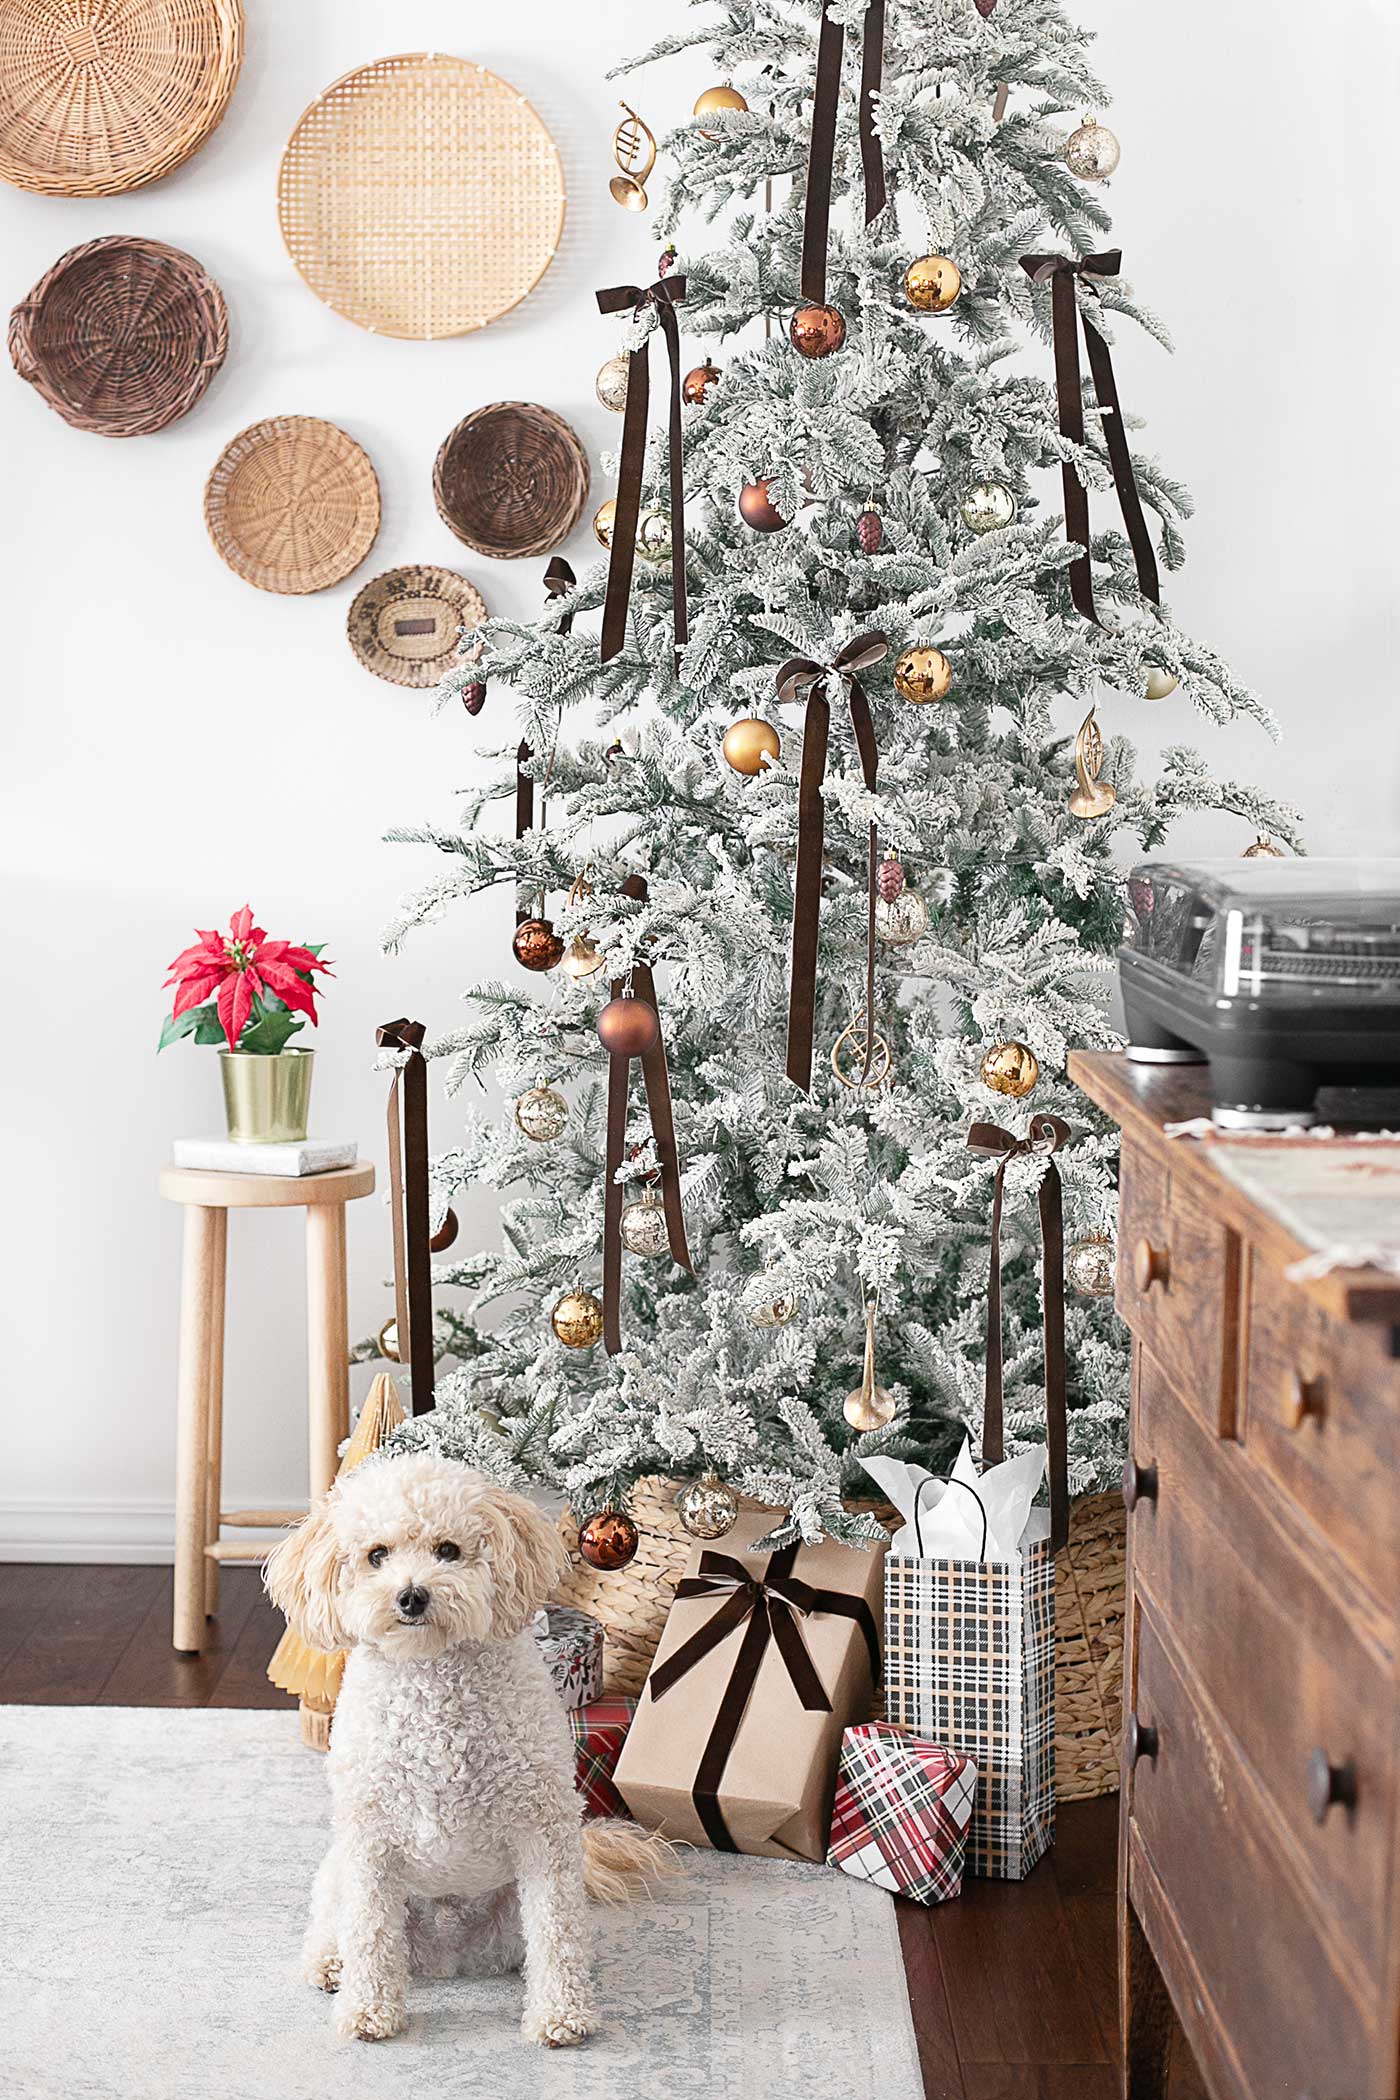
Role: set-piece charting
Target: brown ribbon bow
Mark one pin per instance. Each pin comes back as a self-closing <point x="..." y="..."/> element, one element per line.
<point x="766" y="1606"/>
<point x="665" y="295"/>
<point x="408" y="1199"/>
<point x="559" y="580"/>
<point x="822" y="150"/>
<point x="657" y="1081"/>
<point x="1045" y="1136"/>
<point x="801" y="674"/>
<point x="1061" y="271"/>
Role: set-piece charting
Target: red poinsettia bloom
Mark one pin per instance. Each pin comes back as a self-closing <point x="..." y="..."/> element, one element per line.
<point x="239" y="966"/>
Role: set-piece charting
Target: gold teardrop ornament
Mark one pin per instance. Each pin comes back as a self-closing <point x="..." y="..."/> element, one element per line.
<point x="634" y="150"/>
<point x="1092" y="797"/>
<point x="869" y="1406"/>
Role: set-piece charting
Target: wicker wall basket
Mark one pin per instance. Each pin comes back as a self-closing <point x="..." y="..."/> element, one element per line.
<point x="1089" y="1611"/>
<point x="121" y="336"/>
<point x="292" y="504"/>
<point x="406" y="624"/>
<point x="421" y="196"/>
<point x="100" y="96"/>
<point x="511" y="480"/>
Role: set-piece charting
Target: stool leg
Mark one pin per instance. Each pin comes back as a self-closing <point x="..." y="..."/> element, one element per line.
<point x="214" y="1467"/>
<point x="328" y="1340"/>
<point x="198" y="1268"/>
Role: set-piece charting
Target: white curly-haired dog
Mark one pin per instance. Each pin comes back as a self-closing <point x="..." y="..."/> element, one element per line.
<point x="458" y="1847"/>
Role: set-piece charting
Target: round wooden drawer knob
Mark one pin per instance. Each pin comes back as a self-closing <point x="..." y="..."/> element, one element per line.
<point x="1150" y="1265"/>
<point x="1142" y="1740"/>
<point x="1307" y="1400"/>
<point x="1329" y="1786"/>
<point x="1139" y="1484"/>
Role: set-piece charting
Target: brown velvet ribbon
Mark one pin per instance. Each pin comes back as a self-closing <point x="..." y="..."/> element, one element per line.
<point x="1045" y="1136"/>
<point x="408" y="1199"/>
<point x="559" y="580"/>
<point x="657" y="1080"/>
<point x="1061" y="271"/>
<point x="767" y="1607"/>
<point x="821" y="152"/>
<point x="665" y="295"/>
<point x="798" y="676"/>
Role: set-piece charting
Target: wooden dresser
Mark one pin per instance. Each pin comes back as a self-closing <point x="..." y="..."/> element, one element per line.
<point x="1258" y="1842"/>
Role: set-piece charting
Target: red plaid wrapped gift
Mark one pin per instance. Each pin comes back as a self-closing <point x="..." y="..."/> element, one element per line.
<point x="600" y="1730"/>
<point x="901" y="1813"/>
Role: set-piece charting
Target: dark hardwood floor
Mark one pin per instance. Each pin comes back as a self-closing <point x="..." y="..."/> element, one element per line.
<point x="1012" y="1987"/>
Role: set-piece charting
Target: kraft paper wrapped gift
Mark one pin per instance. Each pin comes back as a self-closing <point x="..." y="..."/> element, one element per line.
<point x="764" y="1661"/>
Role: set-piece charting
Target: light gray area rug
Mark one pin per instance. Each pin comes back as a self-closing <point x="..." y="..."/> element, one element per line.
<point x="154" y="1867"/>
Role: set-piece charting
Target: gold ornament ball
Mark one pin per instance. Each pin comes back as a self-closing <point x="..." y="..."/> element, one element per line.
<point x="748" y="742"/>
<point x="537" y="946"/>
<point x="932" y="284"/>
<point x="717" y="98"/>
<point x="922" y="674"/>
<point x="988" y="506"/>
<point x="1089" y="1265"/>
<point x="1092" y="153"/>
<point x="643" y="1228"/>
<point x="603" y="518"/>
<point x="1158" y="683"/>
<point x="541" y="1114"/>
<point x="1263" y="849"/>
<point x="611" y="383"/>
<point x="577" y="1319"/>
<point x="708" y="1508"/>
<point x="775" y="1312"/>
<point x="698" y="382"/>
<point x="869" y="1407"/>
<point x="901" y="920"/>
<point x="582" y="957"/>
<point x="654" y="536"/>
<point x="757" y="508"/>
<point x="817" y="331"/>
<point x="1011" y="1069"/>
<point x="387" y="1342"/>
<point x="628" y="1027"/>
<point x="608" y="1541"/>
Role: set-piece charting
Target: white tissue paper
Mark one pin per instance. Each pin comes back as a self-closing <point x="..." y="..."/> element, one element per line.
<point x="950" y="1523"/>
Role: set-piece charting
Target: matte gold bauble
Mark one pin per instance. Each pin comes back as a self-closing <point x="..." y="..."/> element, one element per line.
<point x="717" y="98"/>
<point x="932" y="284"/>
<point x="1089" y="1265"/>
<point x="698" y="382"/>
<point x="577" y="1319"/>
<point x="603" y="518"/>
<point x="541" y="1114"/>
<point x="1263" y="849"/>
<point x="608" y="1541"/>
<point x="708" y="1508"/>
<point x="654" y="536"/>
<point x="757" y="509"/>
<point x="1011" y="1069"/>
<point x="817" y="331"/>
<point x="537" y="946"/>
<point x="628" y="1027"/>
<point x="922" y="674"/>
<point x="901" y="920"/>
<point x="869" y="1407"/>
<point x="643" y="1228"/>
<point x="1157" y="683"/>
<point x="611" y="384"/>
<point x="446" y="1233"/>
<point x="748" y="742"/>
<point x="1092" y="153"/>
<point x="988" y="506"/>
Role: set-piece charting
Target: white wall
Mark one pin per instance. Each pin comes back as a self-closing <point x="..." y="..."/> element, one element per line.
<point x="175" y="741"/>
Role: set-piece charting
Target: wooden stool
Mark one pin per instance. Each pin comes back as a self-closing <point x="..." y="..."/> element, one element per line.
<point x="209" y="1197"/>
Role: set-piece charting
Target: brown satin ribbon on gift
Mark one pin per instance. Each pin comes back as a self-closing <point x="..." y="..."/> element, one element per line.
<point x="801" y="674"/>
<point x="821" y="152"/>
<point x="665" y="295"/>
<point x="1061" y="271"/>
<point x="559" y="580"/>
<point x="408" y="1198"/>
<point x="769" y="1603"/>
<point x="657" y="1081"/>
<point x="1045" y="1136"/>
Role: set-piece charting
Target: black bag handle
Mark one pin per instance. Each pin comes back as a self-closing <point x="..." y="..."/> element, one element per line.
<point x="949" y="1481"/>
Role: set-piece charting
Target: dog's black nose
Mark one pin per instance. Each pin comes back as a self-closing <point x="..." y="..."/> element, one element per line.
<point x="412" y="1602"/>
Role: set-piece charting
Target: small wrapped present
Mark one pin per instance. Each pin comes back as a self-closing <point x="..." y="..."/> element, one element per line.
<point x="572" y="1646"/>
<point x="600" y="1730"/>
<point x="901" y="1815"/>
<point x="764" y="1659"/>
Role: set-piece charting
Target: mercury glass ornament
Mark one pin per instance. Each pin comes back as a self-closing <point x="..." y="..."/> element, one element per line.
<point x="1089" y="1265"/>
<point x="608" y="1540"/>
<point x="1092" y="153"/>
<point x="643" y="1227"/>
<point x="988" y="506"/>
<point x="582" y="957"/>
<point x="1158" y="683"/>
<point x="611" y="383"/>
<point x="654" y="536"/>
<point x="541" y="1113"/>
<point x="901" y="920"/>
<point x="1011" y="1069"/>
<point x="775" y="1312"/>
<point x="707" y="1508"/>
<point x="1263" y="849"/>
<point x="577" y="1319"/>
<point x="932" y="283"/>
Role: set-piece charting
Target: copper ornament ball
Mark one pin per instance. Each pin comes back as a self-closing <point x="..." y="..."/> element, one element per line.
<point x="817" y="331"/>
<point x="757" y="509"/>
<point x="748" y="742"/>
<point x="628" y="1027"/>
<point x="698" y="382"/>
<point x="922" y="674"/>
<point x="446" y="1233"/>
<point x="1011" y="1069"/>
<point x="537" y="946"/>
<point x="603" y="518"/>
<point x="932" y="283"/>
<point x="608" y="1541"/>
<point x="577" y="1319"/>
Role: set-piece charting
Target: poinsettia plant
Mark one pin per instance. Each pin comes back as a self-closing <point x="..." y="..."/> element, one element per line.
<point x="243" y="990"/>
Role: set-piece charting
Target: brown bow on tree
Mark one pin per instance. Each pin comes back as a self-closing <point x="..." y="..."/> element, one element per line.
<point x="799" y="676"/>
<point x="1061" y="271"/>
<point x="1045" y="1136"/>
<point x="665" y="295"/>
<point x="559" y="580"/>
<point x="409" y="1208"/>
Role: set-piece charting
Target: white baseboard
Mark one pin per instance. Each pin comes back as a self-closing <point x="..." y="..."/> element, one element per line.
<point x="142" y="1533"/>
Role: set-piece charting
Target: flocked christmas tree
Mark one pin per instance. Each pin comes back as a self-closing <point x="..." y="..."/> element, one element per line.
<point x="892" y="484"/>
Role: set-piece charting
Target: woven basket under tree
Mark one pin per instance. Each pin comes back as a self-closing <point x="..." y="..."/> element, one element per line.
<point x="632" y="1605"/>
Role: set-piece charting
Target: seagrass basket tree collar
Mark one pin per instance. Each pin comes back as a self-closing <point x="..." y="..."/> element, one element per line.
<point x="292" y="504"/>
<point x="121" y="336"/>
<point x="406" y="624"/>
<point x="101" y="96"/>
<point x="511" y="480"/>
<point x="421" y="196"/>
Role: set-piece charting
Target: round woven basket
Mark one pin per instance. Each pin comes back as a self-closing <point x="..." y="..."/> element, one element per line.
<point x="511" y="480"/>
<point x="1089" y="1610"/>
<point x="406" y="624"/>
<point x="121" y="336"/>
<point x="100" y="97"/>
<point x="292" y="504"/>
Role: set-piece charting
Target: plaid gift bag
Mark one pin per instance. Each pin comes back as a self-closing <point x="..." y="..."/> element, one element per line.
<point x="901" y="1813"/>
<point x="600" y="1730"/>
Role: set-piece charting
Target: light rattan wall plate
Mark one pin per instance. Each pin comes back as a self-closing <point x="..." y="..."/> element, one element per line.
<point x="421" y="196"/>
<point x="511" y="480"/>
<point x="121" y="336"/>
<point x="292" y="504"/>
<point x="406" y="624"/>
<point x="100" y="96"/>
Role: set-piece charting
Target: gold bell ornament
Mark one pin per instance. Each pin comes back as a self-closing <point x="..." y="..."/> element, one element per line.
<point x="1091" y="797"/>
<point x="634" y="150"/>
<point x="869" y="1407"/>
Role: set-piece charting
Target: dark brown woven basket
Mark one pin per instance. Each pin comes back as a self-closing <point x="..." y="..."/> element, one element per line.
<point x="511" y="480"/>
<point x="121" y="336"/>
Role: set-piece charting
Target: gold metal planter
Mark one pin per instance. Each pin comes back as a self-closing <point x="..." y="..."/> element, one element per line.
<point x="266" y="1098"/>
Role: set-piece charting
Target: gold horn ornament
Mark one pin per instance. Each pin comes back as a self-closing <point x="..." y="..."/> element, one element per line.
<point x="634" y="150"/>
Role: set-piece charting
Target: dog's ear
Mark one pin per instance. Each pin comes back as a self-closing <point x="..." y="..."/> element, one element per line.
<point x="301" y="1578"/>
<point x="529" y="1559"/>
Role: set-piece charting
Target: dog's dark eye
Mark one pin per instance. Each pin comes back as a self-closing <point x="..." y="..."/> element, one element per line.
<point x="378" y="1555"/>
<point x="447" y="1551"/>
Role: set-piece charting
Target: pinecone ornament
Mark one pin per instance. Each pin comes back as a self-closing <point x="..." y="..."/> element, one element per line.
<point x="870" y="531"/>
<point x="889" y="879"/>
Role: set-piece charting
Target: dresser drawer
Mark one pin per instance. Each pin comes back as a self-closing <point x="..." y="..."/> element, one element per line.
<point x="1297" y="2013"/>
<point x="1178" y="1284"/>
<point x="1296" y="1671"/>
<point x="1320" y="1419"/>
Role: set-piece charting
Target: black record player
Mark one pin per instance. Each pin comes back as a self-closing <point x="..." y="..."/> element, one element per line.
<point x="1283" y="975"/>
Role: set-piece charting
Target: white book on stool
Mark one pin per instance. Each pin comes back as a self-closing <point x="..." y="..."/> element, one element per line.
<point x="220" y="1155"/>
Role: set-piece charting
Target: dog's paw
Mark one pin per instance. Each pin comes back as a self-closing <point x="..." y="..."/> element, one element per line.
<point x="560" y="2029"/>
<point x="377" y="2022"/>
<point x="323" y="1972"/>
